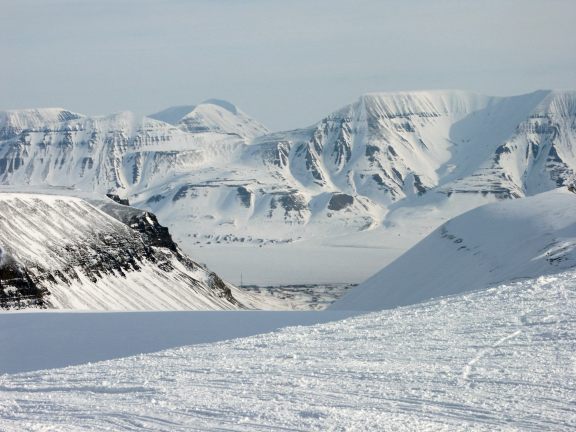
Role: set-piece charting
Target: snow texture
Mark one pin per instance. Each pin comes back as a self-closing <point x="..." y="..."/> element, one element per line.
<point x="497" y="359"/>
<point x="492" y="244"/>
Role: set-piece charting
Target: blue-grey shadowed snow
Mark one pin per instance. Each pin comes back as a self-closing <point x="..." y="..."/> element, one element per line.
<point x="285" y="63"/>
<point x="45" y="340"/>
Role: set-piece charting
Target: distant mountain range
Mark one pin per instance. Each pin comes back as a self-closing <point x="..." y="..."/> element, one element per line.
<point x="214" y="175"/>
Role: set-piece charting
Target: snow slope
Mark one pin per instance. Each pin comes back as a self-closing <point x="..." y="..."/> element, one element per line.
<point x="492" y="244"/>
<point x="498" y="359"/>
<point x="61" y="252"/>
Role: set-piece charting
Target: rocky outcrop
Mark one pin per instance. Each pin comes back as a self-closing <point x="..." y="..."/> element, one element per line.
<point x="62" y="252"/>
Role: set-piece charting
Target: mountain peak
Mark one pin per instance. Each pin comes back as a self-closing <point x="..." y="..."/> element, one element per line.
<point x="223" y="104"/>
<point x="212" y="115"/>
<point x="173" y="114"/>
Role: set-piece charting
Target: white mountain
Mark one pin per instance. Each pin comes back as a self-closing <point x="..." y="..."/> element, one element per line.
<point x="489" y="245"/>
<point x="213" y="115"/>
<point x="13" y="122"/>
<point x="435" y="154"/>
<point x="62" y="252"/>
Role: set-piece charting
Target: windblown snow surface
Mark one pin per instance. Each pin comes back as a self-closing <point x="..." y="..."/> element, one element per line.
<point x="497" y="359"/>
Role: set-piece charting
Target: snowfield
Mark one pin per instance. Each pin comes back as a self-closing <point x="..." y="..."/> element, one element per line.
<point x="498" y="359"/>
<point x="46" y="340"/>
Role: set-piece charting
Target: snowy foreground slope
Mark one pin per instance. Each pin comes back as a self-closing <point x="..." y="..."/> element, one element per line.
<point x="497" y="359"/>
<point x="61" y="252"/>
<point x="492" y="244"/>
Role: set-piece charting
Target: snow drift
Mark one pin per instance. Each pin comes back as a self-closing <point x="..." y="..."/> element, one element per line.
<point x="492" y="244"/>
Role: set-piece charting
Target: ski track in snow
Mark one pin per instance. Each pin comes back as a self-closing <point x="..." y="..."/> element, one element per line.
<point x="497" y="359"/>
<point x="470" y="365"/>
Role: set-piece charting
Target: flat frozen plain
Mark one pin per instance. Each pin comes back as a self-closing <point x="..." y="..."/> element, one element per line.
<point x="503" y="358"/>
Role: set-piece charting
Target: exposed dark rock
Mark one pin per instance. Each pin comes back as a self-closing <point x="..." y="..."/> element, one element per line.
<point x="397" y="174"/>
<point x="87" y="164"/>
<point x="342" y="151"/>
<point x="281" y="155"/>
<point x="155" y="199"/>
<point x="182" y="192"/>
<point x="17" y="289"/>
<point x="293" y="202"/>
<point x="500" y="151"/>
<point x="340" y="201"/>
<point x="406" y="127"/>
<point x="245" y="196"/>
<point x="217" y="283"/>
<point x="535" y="149"/>
<point x="154" y="234"/>
<point x="553" y="155"/>
<point x="378" y="179"/>
<point x="117" y="198"/>
<point x="418" y="185"/>
<point x="371" y="152"/>
<point x="313" y="167"/>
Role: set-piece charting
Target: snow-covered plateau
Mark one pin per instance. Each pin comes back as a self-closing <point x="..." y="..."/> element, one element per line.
<point x="495" y="359"/>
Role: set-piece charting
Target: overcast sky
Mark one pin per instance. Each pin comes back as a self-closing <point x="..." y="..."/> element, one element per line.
<point x="286" y="62"/>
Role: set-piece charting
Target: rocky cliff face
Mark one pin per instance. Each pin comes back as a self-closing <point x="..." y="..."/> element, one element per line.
<point x="63" y="252"/>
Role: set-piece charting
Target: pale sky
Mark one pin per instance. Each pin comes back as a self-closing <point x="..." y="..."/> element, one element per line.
<point x="286" y="63"/>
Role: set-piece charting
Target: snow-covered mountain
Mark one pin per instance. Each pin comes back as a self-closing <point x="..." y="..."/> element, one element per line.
<point x="489" y="245"/>
<point x="213" y="175"/>
<point x="64" y="252"/>
<point x="213" y="115"/>
<point x="13" y="122"/>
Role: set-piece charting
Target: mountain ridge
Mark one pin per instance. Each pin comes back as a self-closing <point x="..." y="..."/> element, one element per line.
<point x="66" y="252"/>
<point x="357" y="169"/>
